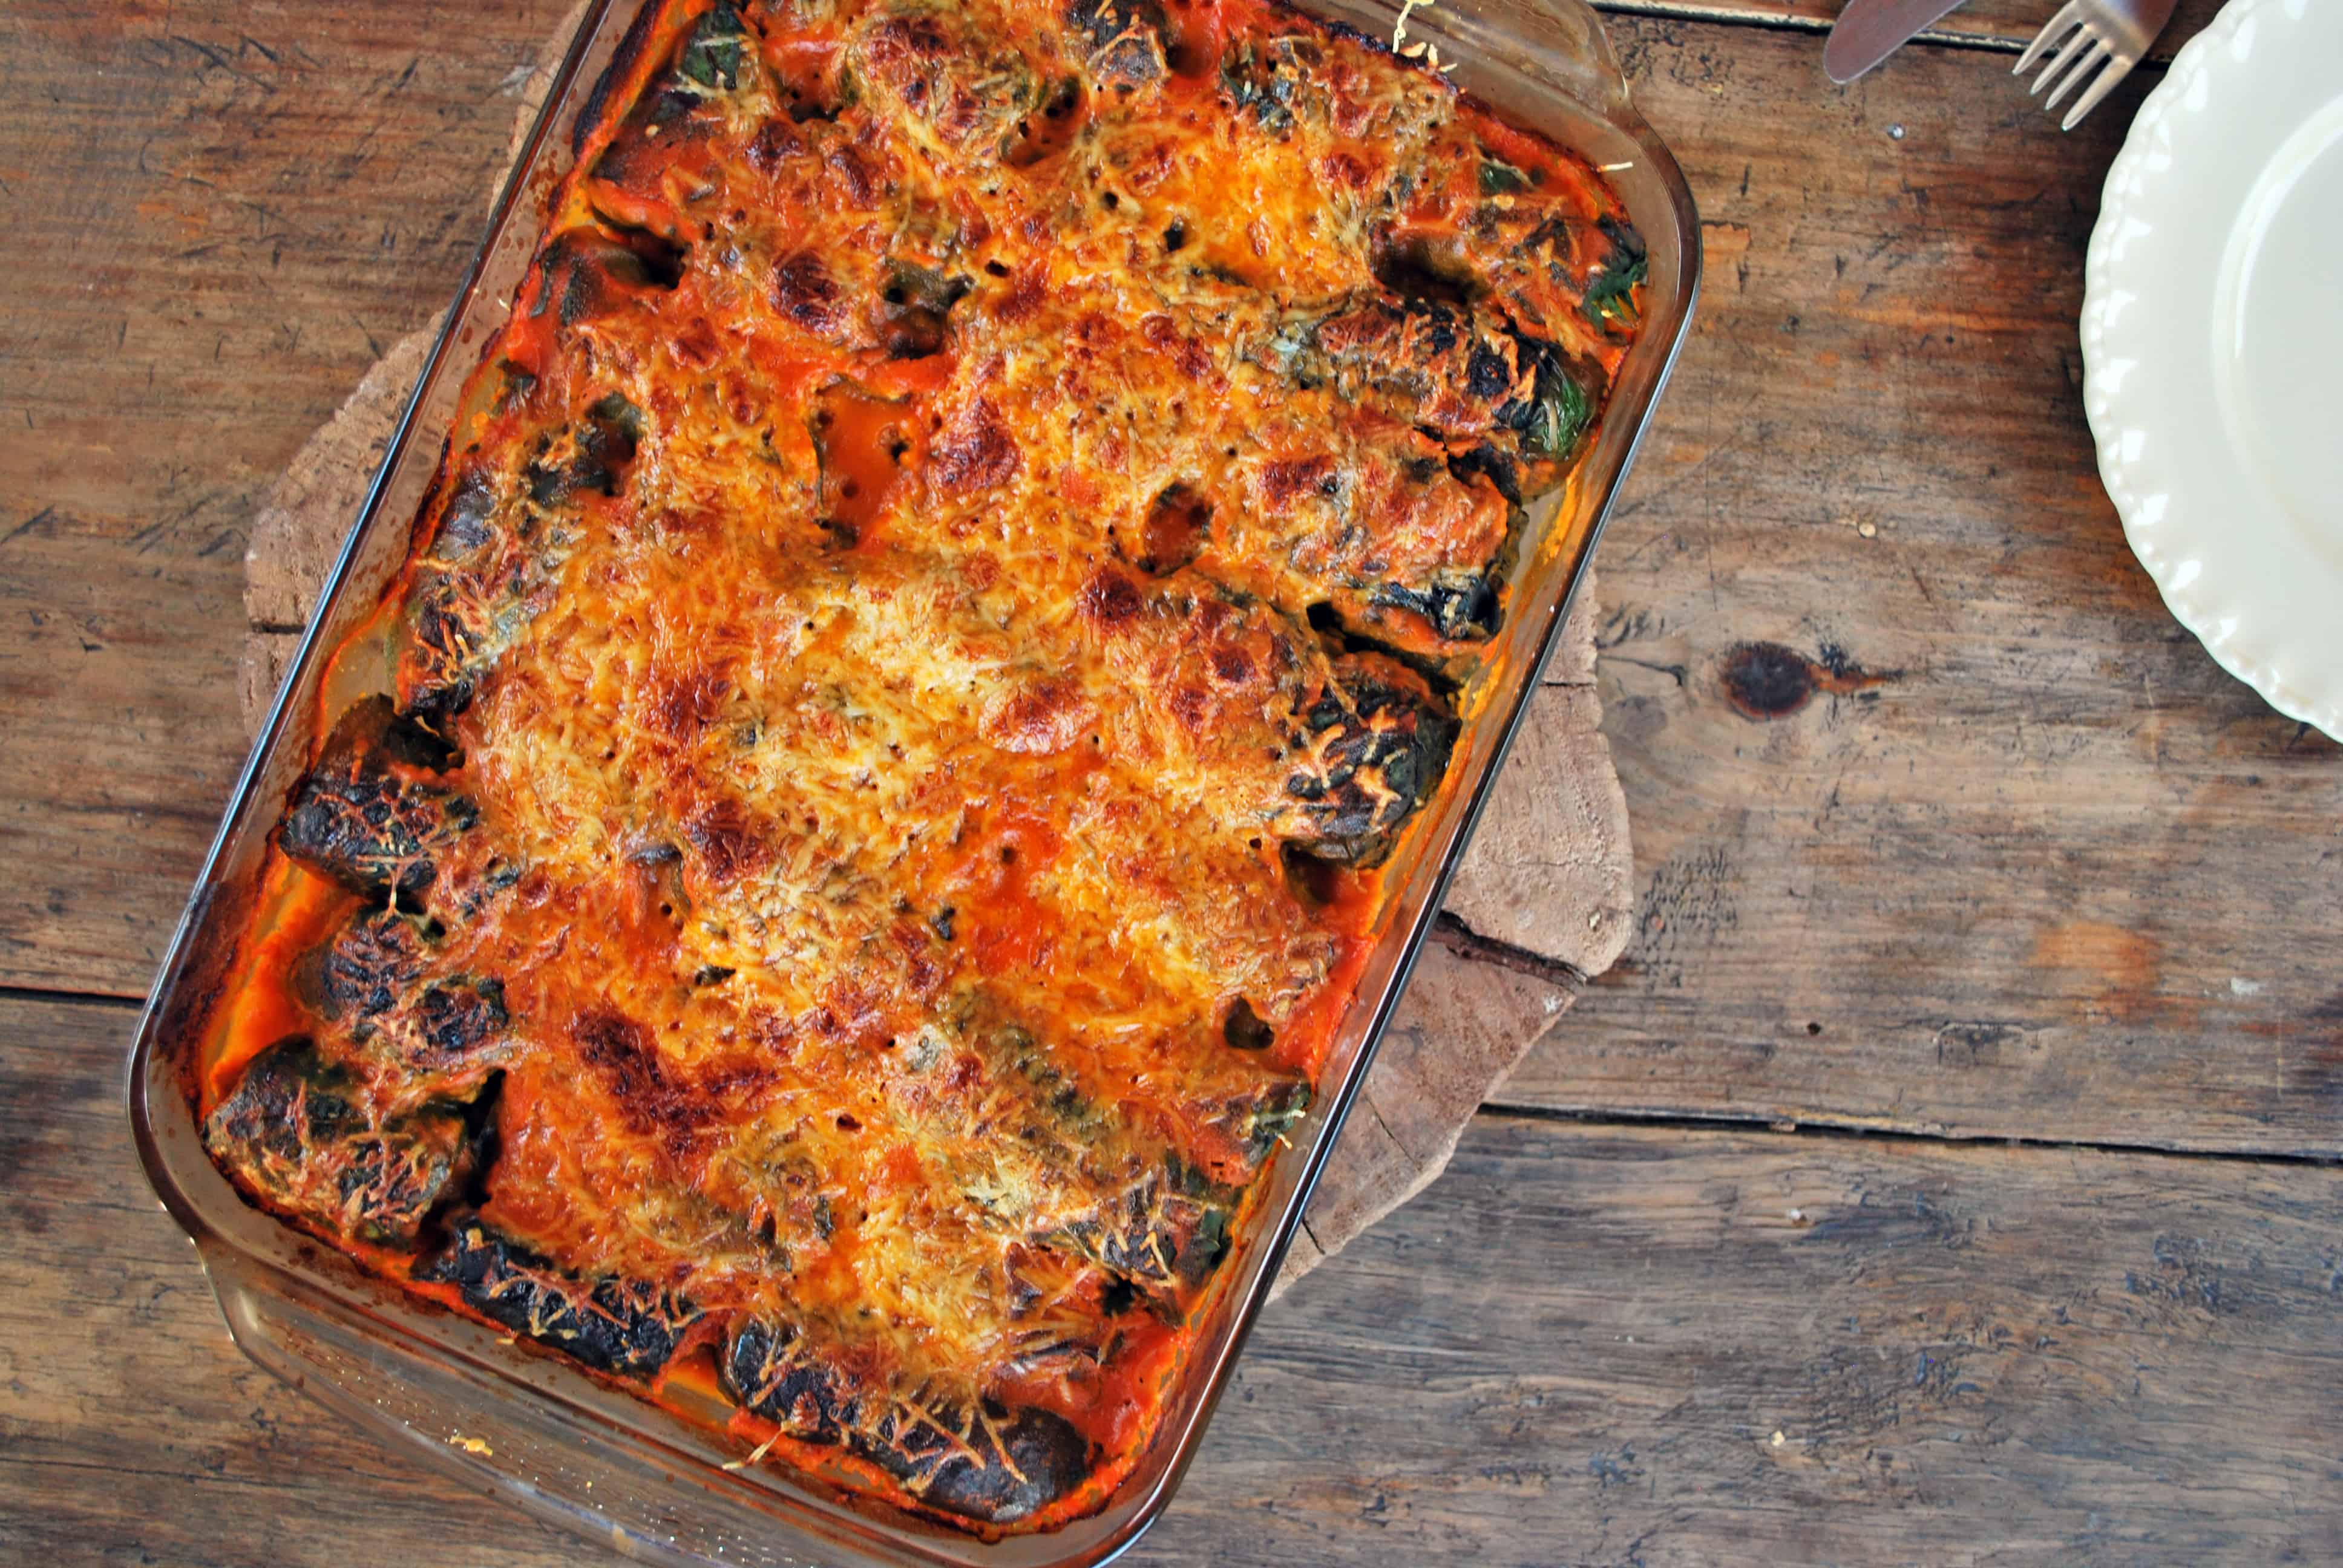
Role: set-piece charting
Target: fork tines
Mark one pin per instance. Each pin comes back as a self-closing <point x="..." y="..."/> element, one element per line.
<point x="2072" y="45"/>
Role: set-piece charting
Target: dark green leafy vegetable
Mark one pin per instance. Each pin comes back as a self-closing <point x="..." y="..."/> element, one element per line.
<point x="1611" y="296"/>
<point x="613" y="409"/>
<point x="1278" y="1106"/>
<point x="711" y="56"/>
<point x="1611" y="293"/>
<point x="610" y="1324"/>
<point x="1260" y="86"/>
<point x="1557" y="411"/>
<point x="1500" y="178"/>
<point x="296" y="1131"/>
<point x="1560" y="416"/>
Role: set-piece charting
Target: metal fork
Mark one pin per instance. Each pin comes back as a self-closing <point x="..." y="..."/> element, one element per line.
<point x="2090" y="33"/>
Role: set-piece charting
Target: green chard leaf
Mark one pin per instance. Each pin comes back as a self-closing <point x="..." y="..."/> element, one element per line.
<point x="1611" y="296"/>
<point x="1500" y="178"/>
<point x="711" y="56"/>
<point x="1611" y="293"/>
<point x="1561" y="415"/>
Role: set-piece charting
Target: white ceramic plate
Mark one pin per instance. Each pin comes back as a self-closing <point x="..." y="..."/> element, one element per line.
<point x="2213" y="345"/>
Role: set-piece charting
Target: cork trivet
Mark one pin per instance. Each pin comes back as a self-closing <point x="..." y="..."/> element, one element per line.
<point x="1545" y="899"/>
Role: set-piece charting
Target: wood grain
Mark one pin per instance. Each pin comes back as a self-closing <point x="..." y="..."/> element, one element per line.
<point x="1578" y="1347"/>
<point x="218" y="215"/>
<point x="2012" y="857"/>
<point x="2005" y="26"/>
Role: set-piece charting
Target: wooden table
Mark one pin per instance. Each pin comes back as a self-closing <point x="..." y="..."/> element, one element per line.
<point x="1946" y="1175"/>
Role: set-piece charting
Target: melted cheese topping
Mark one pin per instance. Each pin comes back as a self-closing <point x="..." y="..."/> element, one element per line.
<point x="884" y="587"/>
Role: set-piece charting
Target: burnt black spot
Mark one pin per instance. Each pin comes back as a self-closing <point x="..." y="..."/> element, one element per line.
<point x="457" y="1016"/>
<point x="293" y="1133"/>
<point x="1485" y="462"/>
<point x="1244" y="1029"/>
<point x="1041" y="1458"/>
<point x="772" y="1370"/>
<point x="368" y="815"/>
<point x="365" y="970"/>
<point x="1465" y="605"/>
<point x="1377" y="741"/>
<point x="611" y="1325"/>
<point x="1487" y="374"/>
<point x="1415" y="270"/>
<point x="1125" y="37"/>
<point x="467" y="524"/>
<point x="1438" y="326"/>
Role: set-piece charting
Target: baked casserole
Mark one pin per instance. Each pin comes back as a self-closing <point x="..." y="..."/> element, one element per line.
<point x="841" y="853"/>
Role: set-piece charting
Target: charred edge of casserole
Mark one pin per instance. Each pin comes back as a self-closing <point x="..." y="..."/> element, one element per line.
<point x="630" y="1328"/>
<point x="1129" y="40"/>
<point x="375" y="984"/>
<point x="473" y="592"/>
<point x="1378" y="740"/>
<point x="378" y="809"/>
<point x="982" y="1460"/>
<point x="604" y="101"/>
<point x="296" y="1131"/>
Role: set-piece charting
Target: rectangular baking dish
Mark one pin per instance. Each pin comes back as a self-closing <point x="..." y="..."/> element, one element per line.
<point x="531" y="1428"/>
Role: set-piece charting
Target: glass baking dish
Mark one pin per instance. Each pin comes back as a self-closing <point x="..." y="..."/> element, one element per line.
<point x="530" y="1427"/>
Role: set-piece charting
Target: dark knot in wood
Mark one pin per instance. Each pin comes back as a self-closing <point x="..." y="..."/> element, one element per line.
<point x="1766" y="680"/>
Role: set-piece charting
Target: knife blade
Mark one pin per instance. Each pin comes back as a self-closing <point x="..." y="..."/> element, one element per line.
<point x="1868" y="31"/>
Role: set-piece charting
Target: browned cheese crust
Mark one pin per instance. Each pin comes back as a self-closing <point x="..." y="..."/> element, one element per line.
<point x="933" y="617"/>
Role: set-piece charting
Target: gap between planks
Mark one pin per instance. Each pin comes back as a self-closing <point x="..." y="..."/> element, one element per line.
<point x="1728" y="15"/>
<point x="1855" y="1131"/>
<point x="1979" y="27"/>
<point x="116" y="1000"/>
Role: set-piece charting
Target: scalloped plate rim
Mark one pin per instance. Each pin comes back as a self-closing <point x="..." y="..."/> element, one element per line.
<point x="2202" y="603"/>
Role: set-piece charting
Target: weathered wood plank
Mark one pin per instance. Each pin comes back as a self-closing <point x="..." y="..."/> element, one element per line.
<point x="1575" y="1348"/>
<point x="218" y="215"/>
<point x="2013" y="856"/>
<point x="1591" y="1345"/>
<point x="2003" y="25"/>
